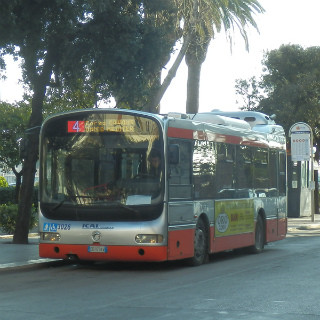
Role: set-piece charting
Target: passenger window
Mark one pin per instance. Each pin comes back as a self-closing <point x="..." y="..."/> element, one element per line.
<point x="180" y="186"/>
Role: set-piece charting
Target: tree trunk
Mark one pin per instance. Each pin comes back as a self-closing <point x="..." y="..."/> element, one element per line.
<point x="195" y="56"/>
<point x="171" y="74"/>
<point x="29" y="166"/>
<point x="193" y="87"/>
<point x="26" y="192"/>
<point x="155" y="86"/>
<point x="29" y="170"/>
<point x="18" y="183"/>
<point x="155" y="103"/>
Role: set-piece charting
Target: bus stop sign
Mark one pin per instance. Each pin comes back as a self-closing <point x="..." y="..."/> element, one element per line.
<point x="301" y="142"/>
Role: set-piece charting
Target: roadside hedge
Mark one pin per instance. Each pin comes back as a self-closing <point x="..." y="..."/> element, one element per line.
<point x="9" y="210"/>
<point x="8" y="217"/>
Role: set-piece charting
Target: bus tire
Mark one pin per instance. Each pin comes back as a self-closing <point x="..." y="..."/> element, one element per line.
<point x="259" y="236"/>
<point x="200" y="244"/>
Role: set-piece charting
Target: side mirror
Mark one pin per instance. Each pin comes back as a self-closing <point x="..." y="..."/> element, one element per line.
<point x="174" y="154"/>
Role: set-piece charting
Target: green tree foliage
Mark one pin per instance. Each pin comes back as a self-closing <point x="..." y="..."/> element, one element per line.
<point x="8" y="217"/>
<point x="123" y="62"/>
<point x="110" y="44"/>
<point x="160" y="30"/>
<point x="291" y="85"/>
<point x="13" y="123"/>
<point x="250" y="92"/>
<point x="3" y="182"/>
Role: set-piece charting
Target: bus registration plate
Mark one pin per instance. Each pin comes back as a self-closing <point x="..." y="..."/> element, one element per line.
<point x="99" y="249"/>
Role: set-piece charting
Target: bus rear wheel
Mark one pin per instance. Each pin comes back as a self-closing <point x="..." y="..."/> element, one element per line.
<point x="259" y="236"/>
<point x="200" y="244"/>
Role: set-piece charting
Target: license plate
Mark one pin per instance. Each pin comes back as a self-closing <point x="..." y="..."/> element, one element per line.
<point x="98" y="249"/>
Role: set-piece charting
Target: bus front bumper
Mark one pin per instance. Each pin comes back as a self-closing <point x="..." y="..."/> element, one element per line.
<point x="103" y="253"/>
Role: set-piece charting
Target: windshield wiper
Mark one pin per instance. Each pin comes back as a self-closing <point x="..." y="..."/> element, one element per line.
<point x="114" y="204"/>
<point x="57" y="206"/>
<point x="127" y="207"/>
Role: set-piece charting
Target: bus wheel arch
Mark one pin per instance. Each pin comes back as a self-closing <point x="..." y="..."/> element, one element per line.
<point x="201" y="242"/>
<point x="260" y="233"/>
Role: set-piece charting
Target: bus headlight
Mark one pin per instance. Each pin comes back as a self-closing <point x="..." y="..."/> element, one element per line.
<point x="50" y="236"/>
<point x="149" y="238"/>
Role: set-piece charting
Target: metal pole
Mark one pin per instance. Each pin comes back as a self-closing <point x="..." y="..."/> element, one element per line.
<point x="312" y="177"/>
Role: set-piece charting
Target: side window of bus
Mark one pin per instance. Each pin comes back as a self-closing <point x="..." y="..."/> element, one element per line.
<point x="273" y="169"/>
<point x="244" y="172"/>
<point x="180" y="186"/>
<point x="282" y="174"/>
<point x="261" y="174"/>
<point x="204" y="169"/>
<point x="225" y="170"/>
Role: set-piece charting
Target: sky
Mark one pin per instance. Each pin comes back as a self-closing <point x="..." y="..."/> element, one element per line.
<point x="284" y="22"/>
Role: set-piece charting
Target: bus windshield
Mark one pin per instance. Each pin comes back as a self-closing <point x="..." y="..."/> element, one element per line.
<point x="104" y="166"/>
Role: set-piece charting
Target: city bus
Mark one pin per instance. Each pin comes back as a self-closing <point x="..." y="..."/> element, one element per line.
<point x="220" y="185"/>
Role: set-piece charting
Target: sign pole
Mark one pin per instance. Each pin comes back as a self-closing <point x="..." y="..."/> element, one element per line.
<point x="312" y="183"/>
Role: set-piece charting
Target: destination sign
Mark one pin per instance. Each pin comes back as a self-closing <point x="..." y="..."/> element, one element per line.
<point x="112" y="125"/>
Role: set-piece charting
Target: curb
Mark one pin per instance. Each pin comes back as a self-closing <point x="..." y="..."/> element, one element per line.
<point x="33" y="239"/>
<point x="24" y="265"/>
<point x="309" y="227"/>
<point x="30" y="236"/>
<point x="29" y="265"/>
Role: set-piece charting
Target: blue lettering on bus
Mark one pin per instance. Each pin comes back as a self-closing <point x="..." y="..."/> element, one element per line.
<point x="96" y="226"/>
<point x="64" y="226"/>
<point x="50" y="227"/>
<point x="54" y="227"/>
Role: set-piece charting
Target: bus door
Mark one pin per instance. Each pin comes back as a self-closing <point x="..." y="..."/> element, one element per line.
<point x="180" y="204"/>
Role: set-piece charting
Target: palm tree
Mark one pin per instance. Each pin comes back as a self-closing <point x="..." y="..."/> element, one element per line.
<point x="201" y="19"/>
<point x="212" y="15"/>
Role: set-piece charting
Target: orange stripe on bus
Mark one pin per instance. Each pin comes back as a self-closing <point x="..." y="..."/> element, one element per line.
<point x="180" y="133"/>
<point x="180" y="244"/>
<point x="114" y="253"/>
<point x="276" y="229"/>
<point x="233" y="242"/>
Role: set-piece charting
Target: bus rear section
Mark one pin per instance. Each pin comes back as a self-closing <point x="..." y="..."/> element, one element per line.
<point x="230" y="185"/>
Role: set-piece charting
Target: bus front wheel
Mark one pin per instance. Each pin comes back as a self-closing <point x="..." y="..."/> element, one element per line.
<point x="200" y="244"/>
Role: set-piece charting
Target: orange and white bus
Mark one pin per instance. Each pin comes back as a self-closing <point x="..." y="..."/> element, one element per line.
<point x="220" y="184"/>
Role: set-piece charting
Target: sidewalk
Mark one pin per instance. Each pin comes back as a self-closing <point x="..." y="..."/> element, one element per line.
<point x="18" y="256"/>
<point x="15" y="256"/>
<point x="304" y="225"/>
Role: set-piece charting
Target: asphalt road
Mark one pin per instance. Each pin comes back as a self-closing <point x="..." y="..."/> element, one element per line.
<point x="281" y="283"/>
